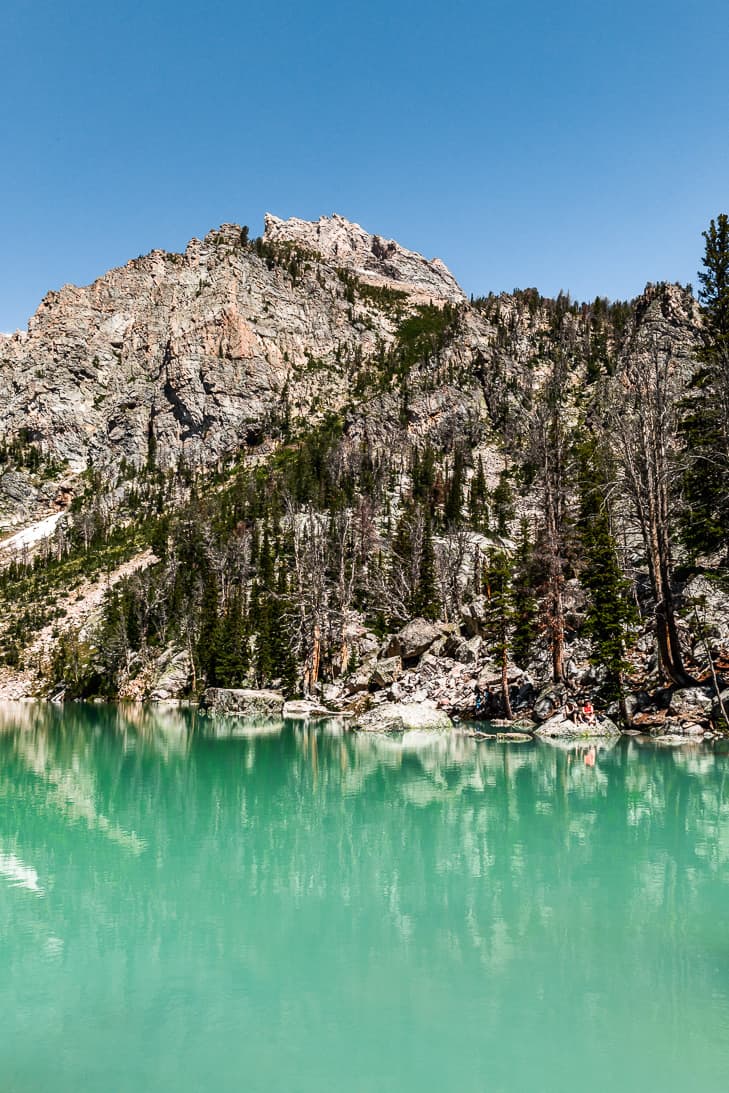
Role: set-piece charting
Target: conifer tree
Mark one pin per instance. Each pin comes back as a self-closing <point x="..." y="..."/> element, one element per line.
<point x="498" y="615"/>
<point x="454" y="497"/>
<point x="426" y="597"/>
<point x="525" y="609"/>
<point x="704" y="424"/>
<point x="610" y="612"/>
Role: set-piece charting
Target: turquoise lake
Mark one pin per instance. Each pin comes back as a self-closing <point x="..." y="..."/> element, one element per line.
<point x="306" y="910"/>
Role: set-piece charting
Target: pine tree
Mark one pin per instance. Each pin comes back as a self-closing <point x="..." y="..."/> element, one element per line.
<point x="426" y="596"/>
<point x="498" y="615"/>
<point x="610" y="611"/>
<point x="477" y="500"/>
<point x="503" y="504"/>
<point x="525" y="608"/>
<point x="704" y="425"/>
<point x="454" y="495"/>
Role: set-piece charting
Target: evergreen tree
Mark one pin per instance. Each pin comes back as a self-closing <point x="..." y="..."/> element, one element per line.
<point x="426" y="596"/>
<point x="610" y="612"/>
<point x="503" y="504"/>
<point x="525" y="608"/>
<point x="705" y="419"/>
<point x="454" y="496"/>
<point x="498" y="615"/>
<point x="478" y="499"/>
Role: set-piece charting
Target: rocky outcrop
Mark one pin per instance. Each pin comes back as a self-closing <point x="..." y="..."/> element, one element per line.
<point x="186" y="356"/>
<point x="243" y="701"/>
<point x="376" y="261"/>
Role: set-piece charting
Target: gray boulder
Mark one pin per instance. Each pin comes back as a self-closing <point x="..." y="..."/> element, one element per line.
<point x="560" y="726"/>
<point x="472" y="615"/>
<point x="386" y="672"/>
<point x="415" y="638"/>
<point x="467" y="652"/>
<point x="692" y="703"/>
<point x="635" y="702"/>
<point x="397" y="717"/>
<point x="243" y="701"/>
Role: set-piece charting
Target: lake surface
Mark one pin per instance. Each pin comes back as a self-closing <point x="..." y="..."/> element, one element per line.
<point x="309" y="911"/>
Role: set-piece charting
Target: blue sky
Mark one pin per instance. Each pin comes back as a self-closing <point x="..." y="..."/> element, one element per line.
<point x="581" y="146"/>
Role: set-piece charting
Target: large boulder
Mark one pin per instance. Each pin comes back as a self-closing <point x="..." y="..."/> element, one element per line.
<point x="415" y="638"/>
<point x="560" y="726"/>
<point x="692" y="703"/>
<point x="397" y="717"/>
<point x="243" y="701"/>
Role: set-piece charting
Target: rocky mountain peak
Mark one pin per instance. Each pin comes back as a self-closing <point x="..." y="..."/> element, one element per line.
<point x="371" y="258"/>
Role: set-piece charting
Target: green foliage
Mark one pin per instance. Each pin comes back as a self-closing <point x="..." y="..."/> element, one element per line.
<point x="610" y="611"/>
<point x="704" y="429"/>
<point x="525" y="609"/>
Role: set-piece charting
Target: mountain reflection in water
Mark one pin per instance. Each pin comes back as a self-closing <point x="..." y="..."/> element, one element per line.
<point x="189" y="903"/>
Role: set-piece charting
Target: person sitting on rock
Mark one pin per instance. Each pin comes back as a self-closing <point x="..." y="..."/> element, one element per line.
<point x="588" y="712"/>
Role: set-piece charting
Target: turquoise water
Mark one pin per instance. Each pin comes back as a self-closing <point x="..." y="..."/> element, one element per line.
<point x="304" y="910"/>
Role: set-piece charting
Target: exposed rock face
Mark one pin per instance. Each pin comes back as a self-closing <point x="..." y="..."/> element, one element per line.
<point x="186" y="356"/>
<point x="244" y="701"/>
<point x="174" y="678"/>
<point x="373" y="260"/>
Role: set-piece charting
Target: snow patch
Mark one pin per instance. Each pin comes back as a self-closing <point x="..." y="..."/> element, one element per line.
<point x="34" y="534"/>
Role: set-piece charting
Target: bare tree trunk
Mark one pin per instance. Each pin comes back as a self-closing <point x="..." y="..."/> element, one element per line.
<point x="505" y="684"/>
<point x="645" y="425"/>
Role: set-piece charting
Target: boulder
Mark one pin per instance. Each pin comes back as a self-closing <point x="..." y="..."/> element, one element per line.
<point x="243" y="701"/>
<point x="472" y="615"/>
<point x="301" y="708"/>
<point x="397" y="717"/>
<point x="360" y="679"/>
<point x="717" y="713"/>
<point x="467" y="652"/>
<point x="560" y="726"/>
<point x="386" y="672"/>
<point x="690" y="703"/>
<point x="415" y="638"/>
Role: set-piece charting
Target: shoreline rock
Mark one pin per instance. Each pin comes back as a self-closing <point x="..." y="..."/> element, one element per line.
<point x="562" y="727"/>
<point x="401" y="717"/>
<point x="243" y="701"/>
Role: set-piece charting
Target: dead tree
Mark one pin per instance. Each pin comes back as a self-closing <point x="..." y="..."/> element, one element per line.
<point x="644" y="419"/>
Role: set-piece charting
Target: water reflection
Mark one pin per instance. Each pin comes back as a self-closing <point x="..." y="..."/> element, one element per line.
<point x="287" y="881"/>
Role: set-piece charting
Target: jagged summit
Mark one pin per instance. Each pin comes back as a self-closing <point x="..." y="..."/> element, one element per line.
<point x="374" y="260"/>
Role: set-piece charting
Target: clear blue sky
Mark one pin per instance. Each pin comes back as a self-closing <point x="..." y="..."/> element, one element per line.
<point x="570" y="145"/>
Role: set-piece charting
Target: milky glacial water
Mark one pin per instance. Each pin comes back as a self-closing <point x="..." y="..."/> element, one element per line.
<point x="301" y="909"/>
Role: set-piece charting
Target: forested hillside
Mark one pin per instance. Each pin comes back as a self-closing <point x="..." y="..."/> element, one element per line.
<point x="267" y="459"/>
